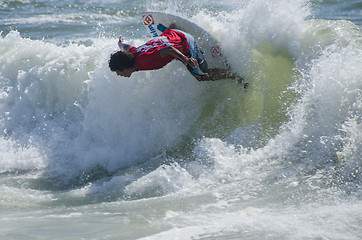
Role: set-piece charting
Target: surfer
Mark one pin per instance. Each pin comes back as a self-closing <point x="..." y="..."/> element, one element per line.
<point x="158" y="52"/>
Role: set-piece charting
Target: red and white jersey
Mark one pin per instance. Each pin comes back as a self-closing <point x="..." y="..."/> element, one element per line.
<point x="147" y="56"/>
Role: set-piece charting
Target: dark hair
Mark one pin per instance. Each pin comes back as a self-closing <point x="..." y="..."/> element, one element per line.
<point x="121" y="60"/>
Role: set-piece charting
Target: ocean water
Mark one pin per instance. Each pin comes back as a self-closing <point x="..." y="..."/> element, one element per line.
<point x="85" y="154"/>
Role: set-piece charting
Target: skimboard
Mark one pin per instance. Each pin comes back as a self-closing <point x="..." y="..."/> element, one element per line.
<point x="156" y="23"/>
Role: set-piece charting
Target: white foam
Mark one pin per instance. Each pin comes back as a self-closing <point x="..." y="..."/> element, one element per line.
<point x="262" y="170"/>
<point x="14" y="157"/>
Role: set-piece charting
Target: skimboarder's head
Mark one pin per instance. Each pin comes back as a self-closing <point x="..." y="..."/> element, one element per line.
<point x="122" y="62"/>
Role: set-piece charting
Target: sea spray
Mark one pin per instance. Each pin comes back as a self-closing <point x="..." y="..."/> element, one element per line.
<point x="86" y="153"/>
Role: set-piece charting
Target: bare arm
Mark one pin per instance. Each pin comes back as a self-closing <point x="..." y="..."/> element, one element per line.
<point x="123" y="46"/>
<point x="171" y="51"/>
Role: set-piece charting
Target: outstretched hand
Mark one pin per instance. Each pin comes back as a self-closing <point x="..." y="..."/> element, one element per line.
<point x="192" y="62"/>
<point x="123" y="46"/>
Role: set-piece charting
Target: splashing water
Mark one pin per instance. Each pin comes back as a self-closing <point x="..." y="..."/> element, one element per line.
<point x="86" y="154"/>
